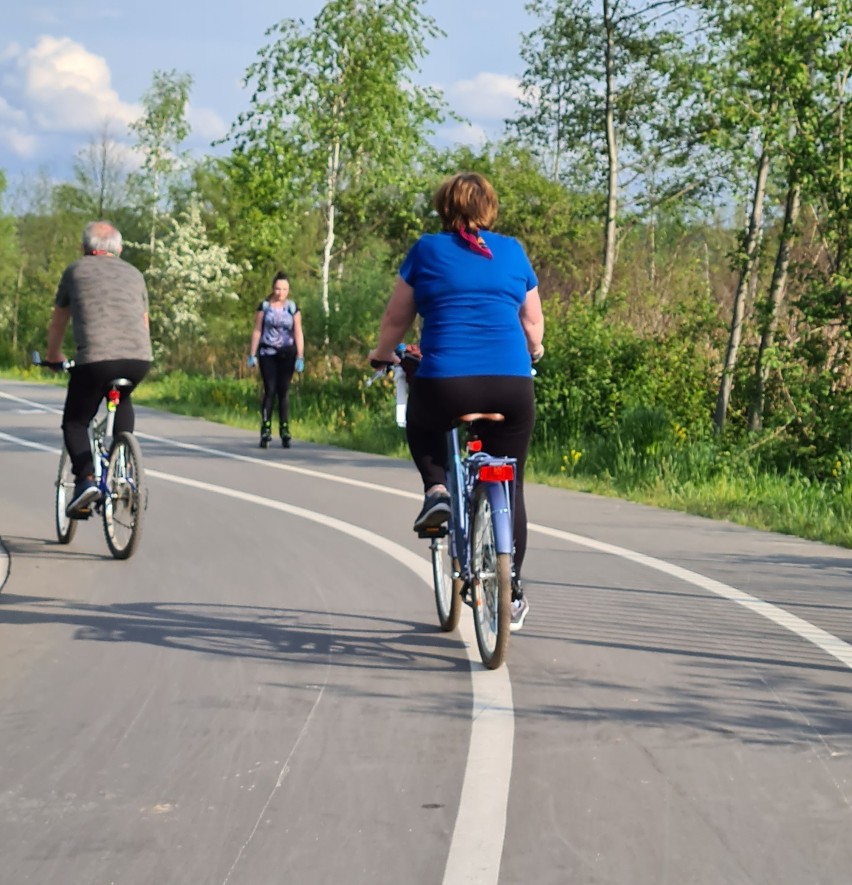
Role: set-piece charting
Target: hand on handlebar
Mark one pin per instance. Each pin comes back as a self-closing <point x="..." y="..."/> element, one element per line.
<point x="382" y="360"/>
<point x="60" y="364"/>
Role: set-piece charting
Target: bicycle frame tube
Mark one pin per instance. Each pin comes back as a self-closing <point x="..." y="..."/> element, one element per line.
<point x="459" y="519"/>
<point x="97" y="437"/>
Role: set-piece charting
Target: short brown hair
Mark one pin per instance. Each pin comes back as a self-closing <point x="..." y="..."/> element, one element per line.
<point x="466" y="199"/>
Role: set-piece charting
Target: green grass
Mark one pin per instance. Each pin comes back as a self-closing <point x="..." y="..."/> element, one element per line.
<point x="644" y="460"/>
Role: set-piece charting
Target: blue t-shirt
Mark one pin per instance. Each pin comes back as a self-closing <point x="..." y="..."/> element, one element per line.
<point x="469" y="305"/>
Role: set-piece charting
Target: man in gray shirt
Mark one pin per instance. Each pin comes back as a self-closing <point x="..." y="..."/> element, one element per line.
<point x="106" y="300"/>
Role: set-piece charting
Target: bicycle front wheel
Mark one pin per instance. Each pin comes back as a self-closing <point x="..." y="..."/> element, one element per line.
<point x="491" y="586"/>
<point x="65" y="526"/>
<point x="447" y="588"/>
<point x="126" y="496"/>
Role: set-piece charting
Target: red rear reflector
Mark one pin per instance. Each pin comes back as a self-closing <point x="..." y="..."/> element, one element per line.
<point x="474" y="445"/>
<point x="114" y="397"/>
<point x="496" y="472"/>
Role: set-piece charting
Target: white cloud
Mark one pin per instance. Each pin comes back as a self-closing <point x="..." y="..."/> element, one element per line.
<point x="486" y="97"/>
<point x="12" y="131"/>
<point x="55" y="88"/>
<point x="57" y="91"/>
<point x="65" y="88"/>
<point x="205" y="123"/>
<point x="19" y="143"/>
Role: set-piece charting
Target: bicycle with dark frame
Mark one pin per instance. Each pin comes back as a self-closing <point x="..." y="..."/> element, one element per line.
<point x="119" y="475"/>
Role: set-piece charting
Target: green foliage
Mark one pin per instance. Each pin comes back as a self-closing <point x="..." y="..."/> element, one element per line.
<point x="186" y="287"/>
<point x="336" y="123"/>
<point x="596" y="369"/>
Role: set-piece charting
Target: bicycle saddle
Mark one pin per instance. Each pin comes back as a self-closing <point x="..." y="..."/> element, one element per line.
<point x="119" y="383"/>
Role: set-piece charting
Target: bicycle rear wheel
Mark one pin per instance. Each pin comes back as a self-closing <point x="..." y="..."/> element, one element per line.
<point x="65" y="526"/>
<point x="491" y="586"/>
<point x="126" y="496"/>
<point x="447" y="588"/>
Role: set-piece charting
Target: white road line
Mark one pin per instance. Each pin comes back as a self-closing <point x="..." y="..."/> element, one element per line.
<point x="828" y="642"/>
<point x="474" y="857"/>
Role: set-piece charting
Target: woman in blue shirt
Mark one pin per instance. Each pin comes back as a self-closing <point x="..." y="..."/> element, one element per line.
<point x="482" y="324"/>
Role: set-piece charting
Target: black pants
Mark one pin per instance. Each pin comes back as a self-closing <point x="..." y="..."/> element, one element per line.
<point x="86" y="388"/>
<point x="435" y="403"/>
<point x="277" y="373"/>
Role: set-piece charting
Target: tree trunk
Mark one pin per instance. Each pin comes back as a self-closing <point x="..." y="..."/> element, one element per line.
<point x="16" y="309"/>
<point x="777" y="291"/>
<point x="747" y="268"/>
<point x="152" y="241"/>
<point x="610" y="228"/>
<point x="652" y="247"/>
<point x="330" y="196"/>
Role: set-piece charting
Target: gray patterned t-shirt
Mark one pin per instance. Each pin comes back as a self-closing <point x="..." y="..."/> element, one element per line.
<point x="108" y="301"/>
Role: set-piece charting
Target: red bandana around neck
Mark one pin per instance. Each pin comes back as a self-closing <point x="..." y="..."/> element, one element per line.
<point x="475" y="242"/>
<point x="100" y="252"/>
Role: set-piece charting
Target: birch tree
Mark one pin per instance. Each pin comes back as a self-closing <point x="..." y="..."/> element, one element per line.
<point x="592" y="89"/>
<point x="160" y="132"/>
<point x="336" y="122"/>
<point x="756" y="84"/>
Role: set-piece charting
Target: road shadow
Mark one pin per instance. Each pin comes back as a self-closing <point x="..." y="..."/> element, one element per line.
<point x="293" y="636"/>
<point x="48" y="548"/>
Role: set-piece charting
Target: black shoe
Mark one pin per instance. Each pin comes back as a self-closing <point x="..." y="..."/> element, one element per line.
<point x="265" y="434"/>
<point x="86" y="493"/>
<point x="285" y="442"/>
<point x="435" y="512"/>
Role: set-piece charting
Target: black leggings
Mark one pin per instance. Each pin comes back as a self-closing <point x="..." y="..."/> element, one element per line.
<point x="435" y="403"/>
<point x="277" y="372"/>
<point x="86" y="388"/>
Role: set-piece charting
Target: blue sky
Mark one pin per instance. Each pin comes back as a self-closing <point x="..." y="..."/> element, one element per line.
<point x="67" y="67"/>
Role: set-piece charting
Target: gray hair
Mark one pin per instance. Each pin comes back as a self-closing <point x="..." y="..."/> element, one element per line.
<point x="101" y="236"/>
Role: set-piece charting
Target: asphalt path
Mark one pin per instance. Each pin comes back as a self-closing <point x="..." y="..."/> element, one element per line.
<point x="261" y="694"/>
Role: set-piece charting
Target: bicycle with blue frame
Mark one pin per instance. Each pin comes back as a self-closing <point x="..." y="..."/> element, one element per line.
<point x="472" y="554"/>
<point x="119" y="475"/>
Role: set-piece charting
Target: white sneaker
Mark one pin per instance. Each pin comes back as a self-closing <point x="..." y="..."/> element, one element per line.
<point x="520" y="609"/>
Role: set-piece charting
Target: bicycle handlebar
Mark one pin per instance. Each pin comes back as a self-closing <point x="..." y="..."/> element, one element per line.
<point x="57" y="366"/>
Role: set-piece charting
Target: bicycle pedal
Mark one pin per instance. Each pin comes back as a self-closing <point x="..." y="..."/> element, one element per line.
<point x="81" y="514"/>
<point x="438" y="531"/>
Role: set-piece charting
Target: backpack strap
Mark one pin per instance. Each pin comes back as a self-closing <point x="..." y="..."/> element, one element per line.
<point x="291" y="307"/>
